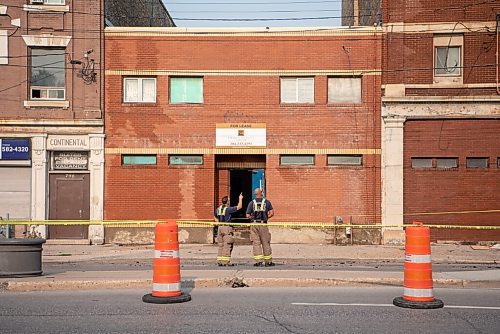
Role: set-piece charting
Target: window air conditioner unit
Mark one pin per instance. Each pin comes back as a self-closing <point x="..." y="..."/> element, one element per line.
<point x="37" y="2"/>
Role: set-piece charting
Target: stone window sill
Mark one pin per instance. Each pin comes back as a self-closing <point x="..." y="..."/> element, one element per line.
<point x="64" y="104"/>
<point x="46" y="8"/>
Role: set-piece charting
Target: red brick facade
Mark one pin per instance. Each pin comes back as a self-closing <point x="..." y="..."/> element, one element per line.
<point x="443" y="117"/>
<point x="456" y="189"/>
<point x="251" y="95"/>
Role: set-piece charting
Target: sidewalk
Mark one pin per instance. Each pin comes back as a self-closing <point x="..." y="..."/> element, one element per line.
<point x="440" y="252"/>
<point x="208" y="276"/>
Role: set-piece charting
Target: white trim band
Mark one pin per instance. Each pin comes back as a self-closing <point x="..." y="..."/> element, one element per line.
<point x="166" y="287"/>
<point x="418" y="292"/>
<point x="166" y="254"/>
<point x="418" y="258"/>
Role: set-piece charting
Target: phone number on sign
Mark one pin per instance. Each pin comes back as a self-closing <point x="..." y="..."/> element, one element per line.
<point x="15" y="149"/>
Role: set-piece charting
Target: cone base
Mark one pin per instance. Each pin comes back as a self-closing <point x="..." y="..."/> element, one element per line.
<point x="401" y="302"/>
<point x="149" y="298"/>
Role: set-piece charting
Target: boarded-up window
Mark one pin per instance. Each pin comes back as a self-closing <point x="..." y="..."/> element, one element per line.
<point x="186" y="90"/>
<point x="447" y="163"/>
<point x="297" y="160"/>
<point x="128" y="159"/>
<point x="186" y="159"/>
<point x="344" y="90"/>
<point x="297" y="90"/>
<point x="139" y="90"/>
<point x="4" y="47"/>
<point x="421" y="162"/>
<point x="345" y="160"/>
<point x="477" y="162"/>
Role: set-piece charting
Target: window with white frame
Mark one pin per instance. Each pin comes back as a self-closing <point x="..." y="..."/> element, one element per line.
<point x="48" y="2"/>
<point x="344" y="90"/>
<point x="4" y="47"/>
<point x="139" y="90"/>
<point x="48" y="74"/>
<point x="297" y="90"/>
<point x="448" y="58"/>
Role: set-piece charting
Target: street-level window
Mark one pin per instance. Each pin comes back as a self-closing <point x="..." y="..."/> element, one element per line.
<point x="288" y="160"/>
<point x="137" y="159"/>
<point x="48" y="74"/>
<point x="297" y="90"/>
<point x="446" y="163"/>
<point x="477" y="162"/>
<point x="186" y="90"/>
<point x="345" y="160"/>
<point x="139" y="90"/>
<point x="344" y="90"/>
<point x="186" y="159"/>
<point x="421" y="162"/>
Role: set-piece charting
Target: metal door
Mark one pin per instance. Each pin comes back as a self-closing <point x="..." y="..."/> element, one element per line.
<point x="69" y="199"/>
<point x="258" y="181"/>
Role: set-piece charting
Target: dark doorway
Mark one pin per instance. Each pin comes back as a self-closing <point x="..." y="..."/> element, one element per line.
<point x="69" y="199"/>
<point x="240" y="181"/>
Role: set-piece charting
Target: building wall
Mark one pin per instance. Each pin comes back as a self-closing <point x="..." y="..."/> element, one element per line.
<point x="75" y="26"/>
<point x="242" y="85"/>
<point x="457" y="189"/>
<point x="137" y="13"/>
<point x="83" y="101"/>
<point x="368" y="12"/>
<point x="422" y="111"/>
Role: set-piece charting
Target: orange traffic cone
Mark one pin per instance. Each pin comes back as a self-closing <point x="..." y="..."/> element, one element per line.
<point x="418" y="292"/>
<point x="166" y="267"/>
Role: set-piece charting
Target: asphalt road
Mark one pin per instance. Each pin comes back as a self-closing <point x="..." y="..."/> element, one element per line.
<point x="248" y="310"/>
<point x="285" y="264"/>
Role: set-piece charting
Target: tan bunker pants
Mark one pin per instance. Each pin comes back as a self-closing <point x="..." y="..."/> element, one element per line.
<point x="225" y="241"/>
<point x="261" y="241"/>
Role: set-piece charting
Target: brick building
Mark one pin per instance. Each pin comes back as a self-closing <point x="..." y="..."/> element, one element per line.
<point x="440" y="115"/>
<point x="51" y="118"/>
<point x="294" y="111"/>
<point x="137" y="13"/>
<point x="361" y="12"/>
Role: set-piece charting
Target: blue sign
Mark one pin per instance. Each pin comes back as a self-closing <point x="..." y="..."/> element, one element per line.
<point x="14" y="149"/>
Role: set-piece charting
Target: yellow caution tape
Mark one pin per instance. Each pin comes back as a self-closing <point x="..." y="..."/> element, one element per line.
<point x="208" y="223"/>
<point x="449" y="212"/>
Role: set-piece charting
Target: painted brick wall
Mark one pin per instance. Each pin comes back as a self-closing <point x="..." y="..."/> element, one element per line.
<point x="83" y="24"/>
<point x="191" y="192"/>
<point x="462" y="189"/>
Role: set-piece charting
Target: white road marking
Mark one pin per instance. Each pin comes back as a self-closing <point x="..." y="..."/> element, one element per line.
<point x="391" y="305"/>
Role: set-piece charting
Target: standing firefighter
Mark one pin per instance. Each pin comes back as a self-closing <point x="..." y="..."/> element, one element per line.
<point x="225" y="236"/>
<point x="259" y="211"/>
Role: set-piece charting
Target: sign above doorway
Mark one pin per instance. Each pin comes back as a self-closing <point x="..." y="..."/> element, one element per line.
<point x="251" y="135"/>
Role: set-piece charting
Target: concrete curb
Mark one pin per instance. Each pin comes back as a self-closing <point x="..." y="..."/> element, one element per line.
<point x="28" y="286"/>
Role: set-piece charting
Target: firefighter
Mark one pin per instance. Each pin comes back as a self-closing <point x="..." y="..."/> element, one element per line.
<point x="225" y="235"/>
<point x="259" y="211"/>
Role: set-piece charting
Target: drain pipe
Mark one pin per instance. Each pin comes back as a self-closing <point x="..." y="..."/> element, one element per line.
<point x="497" y="63"/>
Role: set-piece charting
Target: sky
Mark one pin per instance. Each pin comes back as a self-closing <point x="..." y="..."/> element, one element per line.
<point x="221" y="10"/>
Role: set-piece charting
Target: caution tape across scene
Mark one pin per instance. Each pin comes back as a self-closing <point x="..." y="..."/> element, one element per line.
<point x="207" y="223"/>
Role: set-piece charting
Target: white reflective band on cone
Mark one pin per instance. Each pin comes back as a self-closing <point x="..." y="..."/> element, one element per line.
<point x="166" y="287"/>
<point x="418" y="258"/>
<point x="418" y="292"/>
<point x="166" y="254"/>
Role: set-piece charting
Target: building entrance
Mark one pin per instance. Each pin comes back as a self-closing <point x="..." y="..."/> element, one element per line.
<point x="244" y="181"/>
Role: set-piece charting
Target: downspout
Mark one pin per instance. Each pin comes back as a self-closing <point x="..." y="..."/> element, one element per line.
<point x="497" y="54"/>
